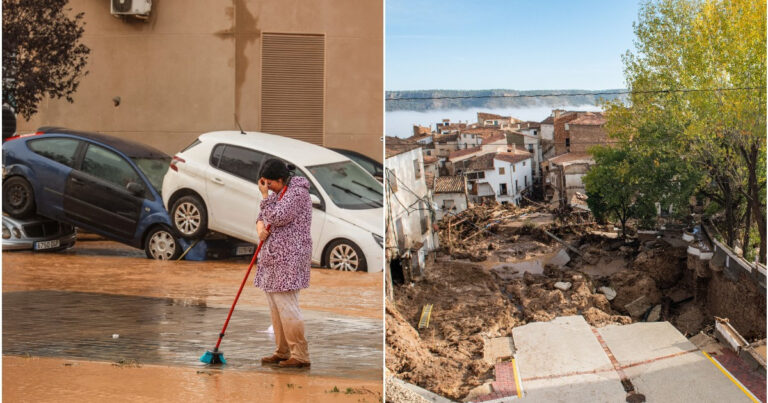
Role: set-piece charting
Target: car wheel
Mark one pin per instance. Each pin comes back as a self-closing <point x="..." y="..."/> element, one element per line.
<point x="344" y="255"/>
<point x="18" y="197"/>
<point x="162" y="245"/>
<point x="189" y="216"/>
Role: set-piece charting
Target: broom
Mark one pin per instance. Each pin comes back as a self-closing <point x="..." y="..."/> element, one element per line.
<point x="216" y="356"/>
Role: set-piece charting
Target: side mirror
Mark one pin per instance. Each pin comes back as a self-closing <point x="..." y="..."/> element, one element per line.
<point x="316" y="202"/>
<point x="135" y="189"/>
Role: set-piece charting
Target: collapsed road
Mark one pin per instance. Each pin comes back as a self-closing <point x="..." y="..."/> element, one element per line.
<point x="502" y="267"/>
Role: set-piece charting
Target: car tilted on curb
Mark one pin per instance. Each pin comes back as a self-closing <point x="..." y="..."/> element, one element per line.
<point x="100" y="183"/>
<point x="212" y="186"/>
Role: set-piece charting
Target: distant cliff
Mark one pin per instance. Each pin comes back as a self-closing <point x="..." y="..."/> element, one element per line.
<point x="489" y="102"/>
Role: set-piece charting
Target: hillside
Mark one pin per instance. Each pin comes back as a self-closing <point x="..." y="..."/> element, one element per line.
<point x="492" y="103"/>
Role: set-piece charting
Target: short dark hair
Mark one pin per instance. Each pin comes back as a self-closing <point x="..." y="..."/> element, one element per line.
<point x="275" y="169"/>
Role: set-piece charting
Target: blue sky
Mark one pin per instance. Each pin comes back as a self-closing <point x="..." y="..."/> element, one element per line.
<point x="515" y="44"/>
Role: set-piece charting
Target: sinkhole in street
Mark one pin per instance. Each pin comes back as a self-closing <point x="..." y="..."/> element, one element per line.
<point x="144" y="330"/>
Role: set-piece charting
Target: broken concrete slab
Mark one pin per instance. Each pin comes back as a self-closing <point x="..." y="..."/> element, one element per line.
<point x="563" y="285"/>
<point x="655" y="314"/>
<point x="642" y="341"/>
<point x="498" y="348"/>
<point x="422" y="394"/>
<point x="638" y="307"/>
<point x="560" y="259"/>
<point x="609" y="292"/>
<point x="561" y="346"/>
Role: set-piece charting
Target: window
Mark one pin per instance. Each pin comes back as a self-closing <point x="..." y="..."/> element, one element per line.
<point x="530" y="148"/>
<point x="525" y="178"/>
<point x="523" y="163"/>
<point x="502" y="189"/>
<point x="392" y="180"/>
<point x="241" y="162"/>
<point x="448" y="204"/>
<point x="515" y="186"/>
<point x="566" y="126"/>
<point x="61" y="150"/>
<point x="501" y="170"/>
<point x="513" y="167"/>
<point x="416" y="169"/>
<point x="429" y="152"/>
<point x="568" y="142"/>
<point x="348" y="185"/>
<point x="108" y="166"/>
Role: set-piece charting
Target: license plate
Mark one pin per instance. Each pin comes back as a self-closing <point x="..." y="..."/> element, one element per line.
<point x="244" y="250"/>
<point x="47" y="244"/>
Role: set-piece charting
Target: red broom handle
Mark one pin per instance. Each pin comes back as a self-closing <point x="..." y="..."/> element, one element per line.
<point x="247" y="273"/>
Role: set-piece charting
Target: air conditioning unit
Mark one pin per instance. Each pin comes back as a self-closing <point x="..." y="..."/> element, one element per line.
<point x="136" y="8"/>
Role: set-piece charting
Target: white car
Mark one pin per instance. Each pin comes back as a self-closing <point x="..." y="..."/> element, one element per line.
<point x="212" y="186"/>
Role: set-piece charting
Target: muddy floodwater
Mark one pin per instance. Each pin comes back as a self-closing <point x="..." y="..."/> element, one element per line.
<point x="101" y="311"/>
<point x="119" y="328"/>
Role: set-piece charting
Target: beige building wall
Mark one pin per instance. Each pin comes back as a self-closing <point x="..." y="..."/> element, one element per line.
<point x="195" y="64"/>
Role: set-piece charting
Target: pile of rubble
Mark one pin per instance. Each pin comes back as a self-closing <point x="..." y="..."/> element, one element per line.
<point x="446" y="357"/>
<point x="477" y="230"/>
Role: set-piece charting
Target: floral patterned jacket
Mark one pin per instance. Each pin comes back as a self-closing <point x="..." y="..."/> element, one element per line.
<point x="284" y="260"/>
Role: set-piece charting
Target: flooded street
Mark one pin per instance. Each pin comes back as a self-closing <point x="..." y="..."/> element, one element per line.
<point x="102" y="303"/>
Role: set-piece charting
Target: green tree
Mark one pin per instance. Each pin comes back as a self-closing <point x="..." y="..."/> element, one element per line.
<point x="626" y="183"/>
<point x="717" y="48"/>
<point x="41" y="53"/>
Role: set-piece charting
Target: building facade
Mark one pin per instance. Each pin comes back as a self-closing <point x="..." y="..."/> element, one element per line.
<point x="193" y="66"/>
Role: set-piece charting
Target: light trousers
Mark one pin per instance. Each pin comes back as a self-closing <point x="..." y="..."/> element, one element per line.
<point x="288" y="325"/>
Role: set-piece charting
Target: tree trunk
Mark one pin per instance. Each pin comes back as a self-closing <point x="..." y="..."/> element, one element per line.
<point x="747" y="224"/>
<point x="730" y="220"/>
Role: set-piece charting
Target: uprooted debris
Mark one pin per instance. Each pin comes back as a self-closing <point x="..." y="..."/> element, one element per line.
<point x="478" y="229"/>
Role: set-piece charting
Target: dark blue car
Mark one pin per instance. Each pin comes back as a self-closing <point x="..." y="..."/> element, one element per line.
<point x="104" y="184"/>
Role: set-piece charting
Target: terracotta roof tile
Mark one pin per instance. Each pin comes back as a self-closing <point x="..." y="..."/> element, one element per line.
<point x="463" y="152"/>
<point x="395" y="146"/>
<point x="550" y="120"/>
<point x="491" y="116"/>
<point x="429" y="159"/>
<point x="449" y="184"/>
<point x="481" y="162"/>
<point x="514" y="157"/>
<point x="589" y="118"/>
<point x="571" y="158"/>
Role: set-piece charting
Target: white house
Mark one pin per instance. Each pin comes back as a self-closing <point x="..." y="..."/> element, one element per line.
<point x="469" y="140"/>
<point x="530" y="143"/>
<point x="450" y="195"/>
<point x="499" y="176"/>
<point x="513" y="174"/>
<point x="408" y="212"/>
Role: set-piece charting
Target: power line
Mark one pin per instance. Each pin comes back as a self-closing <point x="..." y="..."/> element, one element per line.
<point x="626" y="92"/>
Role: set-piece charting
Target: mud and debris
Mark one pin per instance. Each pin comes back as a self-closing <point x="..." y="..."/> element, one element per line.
<point x="500" y="266"/>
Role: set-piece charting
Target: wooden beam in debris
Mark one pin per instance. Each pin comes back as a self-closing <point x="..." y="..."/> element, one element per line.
<point x="566" y="244"/>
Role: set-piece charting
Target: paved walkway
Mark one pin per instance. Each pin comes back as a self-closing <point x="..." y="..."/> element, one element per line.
<point x="566" y="360"/>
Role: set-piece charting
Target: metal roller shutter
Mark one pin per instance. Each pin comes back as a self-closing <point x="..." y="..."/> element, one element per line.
<point x="293" y="86"/>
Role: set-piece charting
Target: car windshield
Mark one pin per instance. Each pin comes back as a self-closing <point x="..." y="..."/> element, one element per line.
<point x="348" y="185"/>
<point x="154" y="169"/>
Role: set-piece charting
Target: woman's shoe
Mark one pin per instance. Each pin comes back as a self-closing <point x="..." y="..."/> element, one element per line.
<point x="293" y="363"/>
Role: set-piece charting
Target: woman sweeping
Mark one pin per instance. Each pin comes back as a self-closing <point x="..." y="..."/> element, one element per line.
<point x="283" y="265"/>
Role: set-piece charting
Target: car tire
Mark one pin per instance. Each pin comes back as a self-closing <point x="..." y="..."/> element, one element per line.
<point x="189" y="217"/>
<point x="18" y="197"/>
<point x="344" y="255"/>
<point x="162" y="245"/>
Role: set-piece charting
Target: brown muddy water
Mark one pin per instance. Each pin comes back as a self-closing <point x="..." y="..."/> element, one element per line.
<point x="162" y="331"/>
